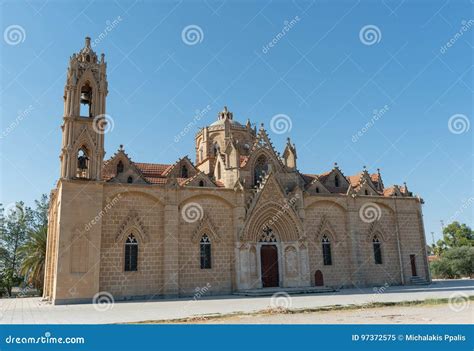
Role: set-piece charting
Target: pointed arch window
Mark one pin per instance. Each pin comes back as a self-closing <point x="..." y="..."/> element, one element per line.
<point x="201" y="183"/>
<point x="82" y="170"/>
<point x="327" y="259"/>
<point x="260" y="168"/>
<point x="130" y="180"/>
<point x="377" y="250"/>
<point x="131" y="254"/>
<point x="119" y="167"/>
<point x="205" y="252"/>
<point x="336" y="181"/>
<point x="184" y="172"/>
<point x="366" y="192"/>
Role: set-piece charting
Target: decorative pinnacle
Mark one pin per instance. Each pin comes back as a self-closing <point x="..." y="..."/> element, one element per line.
<point x="121" y="147"/>
<point x="88" y="42"/>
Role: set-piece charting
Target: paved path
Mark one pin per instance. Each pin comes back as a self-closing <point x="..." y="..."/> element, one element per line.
<point x="33" y="310"/>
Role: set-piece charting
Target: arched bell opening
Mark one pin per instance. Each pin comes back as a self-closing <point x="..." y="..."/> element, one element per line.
<point x="86" y="100"/>
<point x="83" y="163"/>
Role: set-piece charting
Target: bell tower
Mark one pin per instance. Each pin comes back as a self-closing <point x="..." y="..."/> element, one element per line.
<point x="84" y="118"/>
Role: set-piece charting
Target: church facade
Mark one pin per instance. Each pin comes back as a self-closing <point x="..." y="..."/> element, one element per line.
<point x="240" y="217"/>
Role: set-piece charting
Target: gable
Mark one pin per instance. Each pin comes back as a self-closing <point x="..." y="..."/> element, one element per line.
<point x="121" y="169"/>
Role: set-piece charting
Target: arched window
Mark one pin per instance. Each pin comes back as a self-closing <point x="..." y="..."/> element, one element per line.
<point x="377" y="250"/>
<point x="130" y="180"/>
<point x="326" y="251"/>
<point x="131" y="254"/>
<point x="201" y="183"/>
<point x="366" y="192"/>
<point x="317" y="190"/>
<point x="82" y="170"/>
<point x="336" y="181"/>
<point x="119" y="167"/>
<point x="86" y="101"/>
<point x="260" y="168"/>
<point x="205" y="250"/>
<point x="184" y="172"/>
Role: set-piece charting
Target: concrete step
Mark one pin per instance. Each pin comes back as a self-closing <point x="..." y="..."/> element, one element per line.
<point x="418" y="281"/>
<point x="290" y="291"/>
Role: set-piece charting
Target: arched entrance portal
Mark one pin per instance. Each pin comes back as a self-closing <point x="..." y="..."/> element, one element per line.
<point x="318" y="278"/>
<point x="269" y="259"/>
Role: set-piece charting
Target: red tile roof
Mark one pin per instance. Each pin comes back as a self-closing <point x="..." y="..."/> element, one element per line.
<point x="152" y="169"/>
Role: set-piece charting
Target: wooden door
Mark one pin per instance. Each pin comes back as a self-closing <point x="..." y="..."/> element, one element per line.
<point x="269" y="261"/>
<point x="318" y="278"/>
<point x="413" y="265"/>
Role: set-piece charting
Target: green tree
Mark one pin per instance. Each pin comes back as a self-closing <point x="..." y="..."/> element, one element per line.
<point x="455" y="263"/>
<point x="34" y="255"/>
<point x="457" y="235"/>
<point x="34" y="249"/>
<point x="14" y="227"/>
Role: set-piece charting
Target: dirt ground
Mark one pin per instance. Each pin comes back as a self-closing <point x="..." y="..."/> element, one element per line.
<point x="426" y="314"/>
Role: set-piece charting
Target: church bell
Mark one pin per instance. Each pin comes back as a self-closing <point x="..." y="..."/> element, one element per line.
<point x="85" y="98"/>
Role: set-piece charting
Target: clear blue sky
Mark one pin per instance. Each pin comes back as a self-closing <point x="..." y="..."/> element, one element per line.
<point x="320" y="74"/>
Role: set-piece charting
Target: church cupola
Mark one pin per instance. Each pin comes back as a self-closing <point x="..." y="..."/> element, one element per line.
<point x="225" y="114"/>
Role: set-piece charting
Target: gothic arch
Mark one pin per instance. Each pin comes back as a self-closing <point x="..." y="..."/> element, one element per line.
<point x="284" y="223"/>
<point x="205" y="226"/>
<point x="132" y="225"/>
<point x="205" y="196"/>
<point x="376" y="228"/>
<point x="124" y="192"/>
<point x="338" y="204"/>
<point x="325" y="228"/>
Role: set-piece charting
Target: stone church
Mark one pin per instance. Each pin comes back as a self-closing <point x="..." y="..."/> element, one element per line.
<point x="241" y="217"/>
